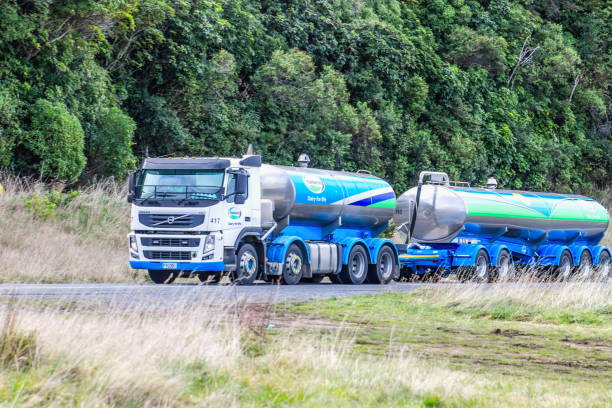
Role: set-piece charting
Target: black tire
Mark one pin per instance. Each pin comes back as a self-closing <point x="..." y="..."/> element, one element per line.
<point x="563" y="272"/>
<point x="356" y="269"/>
<point x="293" y="267"/>
<point x="585" y="267"/>
<point x="162" y="277"/>
<point x="247" y="268"/>
<point x="211" y="277"/>
<point x="504" y="269"/>
<point x="481" y="271"/>
<point x="604" y="267"/>
<point x="385" y="267"/>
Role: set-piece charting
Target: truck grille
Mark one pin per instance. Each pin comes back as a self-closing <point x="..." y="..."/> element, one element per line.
<point x="171" y="220"/>
<point x="171" y="242"/>
<point x="168" y="255"/>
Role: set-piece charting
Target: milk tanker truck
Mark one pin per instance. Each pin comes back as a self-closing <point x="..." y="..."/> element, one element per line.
<point x="208" y="217"/>
<point x="483" y="234"/>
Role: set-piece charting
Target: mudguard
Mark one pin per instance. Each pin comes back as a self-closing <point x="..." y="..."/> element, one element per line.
<point x="577" y="250"/>
<point x="347" y="246"/>
<point x="465" y="255"/>
<point x="375" y="244"/>
<point x="596" y="251"/>
<point x="551" y="254"/>
<point x="277" y="249"/>
<point x="495" y="250"/>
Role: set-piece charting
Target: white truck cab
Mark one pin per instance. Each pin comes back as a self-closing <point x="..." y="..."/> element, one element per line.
<point x="189" y="213"/>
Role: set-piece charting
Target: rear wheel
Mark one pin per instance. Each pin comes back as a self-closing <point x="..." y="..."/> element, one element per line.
<point x="294" y="265"/>
<point x="384" y="269"/>
<point x="604" y="267"/>
<point x="504" y="270"/>
<point x="160" y="277"/>
<point x="356" y="269"/>
<point x="248" y="265"/>
<point x="564" y="270"/>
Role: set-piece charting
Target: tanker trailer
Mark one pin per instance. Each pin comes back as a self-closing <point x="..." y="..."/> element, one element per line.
<point x="483" y="233"/>
<point x="207" y="217"/>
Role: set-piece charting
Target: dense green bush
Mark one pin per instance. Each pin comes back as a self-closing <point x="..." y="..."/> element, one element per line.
<point x="55" y="141"/>
<point x="519" y="90"/>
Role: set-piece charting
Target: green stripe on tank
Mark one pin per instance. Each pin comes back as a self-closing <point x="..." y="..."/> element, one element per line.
<point x="482" y="208"/>
<point x="390" y="203"/>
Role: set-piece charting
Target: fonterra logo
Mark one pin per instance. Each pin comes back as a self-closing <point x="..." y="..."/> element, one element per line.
<point x="234" y="213"/>
<point x="314" y="183"/>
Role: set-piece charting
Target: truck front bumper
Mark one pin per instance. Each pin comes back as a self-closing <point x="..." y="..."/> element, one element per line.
<point x="211" y="266"/>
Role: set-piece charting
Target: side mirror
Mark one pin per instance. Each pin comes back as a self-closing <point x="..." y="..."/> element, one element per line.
<point x="132" y="186"/>
<point x="241" y="184"/>
<point x="239" y="199"/>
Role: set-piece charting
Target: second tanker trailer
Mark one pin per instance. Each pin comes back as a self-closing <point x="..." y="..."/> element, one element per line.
<point x="483" y="233"/>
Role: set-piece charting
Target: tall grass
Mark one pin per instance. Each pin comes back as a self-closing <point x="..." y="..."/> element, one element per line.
<point x="82" y="240"/>
<point x="196" y="357"/>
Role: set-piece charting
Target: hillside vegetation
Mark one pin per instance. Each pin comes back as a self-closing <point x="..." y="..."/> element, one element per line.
<point x="515" y="89"/>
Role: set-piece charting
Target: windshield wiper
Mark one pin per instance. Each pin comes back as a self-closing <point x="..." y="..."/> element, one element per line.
<point x="147" y="199"/>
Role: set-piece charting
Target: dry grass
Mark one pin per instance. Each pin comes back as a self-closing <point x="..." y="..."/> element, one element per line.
<point x="584" y="296"/>
<point x="114" y="356"/>
<point x="82" y="241"/>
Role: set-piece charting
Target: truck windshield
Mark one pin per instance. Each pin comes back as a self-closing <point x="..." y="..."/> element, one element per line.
<point x="181" y="184"/>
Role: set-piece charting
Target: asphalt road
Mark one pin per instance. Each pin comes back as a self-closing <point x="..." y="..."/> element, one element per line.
<point x="185" y="294"/>
<point x="195" y="293"/>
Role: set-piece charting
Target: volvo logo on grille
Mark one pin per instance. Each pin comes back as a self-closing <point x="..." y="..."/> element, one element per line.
<point x="171" y="219"/>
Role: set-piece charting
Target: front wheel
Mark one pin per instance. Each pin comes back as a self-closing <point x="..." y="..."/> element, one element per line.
<point x="248" y="265"/>
<point x="161" y="277"/>
<point x="384" y="269"/>
<point x="210" y="277"/>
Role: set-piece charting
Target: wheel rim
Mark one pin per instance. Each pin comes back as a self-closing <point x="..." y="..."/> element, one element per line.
<point x="565" y="268"/>
<point x="294" y="264"/>
<point x="504" y="267"/>
<point x="358" y="265"/>
<point x="248" y="264"/>
<point x="481" y="267"/>
<point x="386" y="265"/>
<point x="586" y="265"/>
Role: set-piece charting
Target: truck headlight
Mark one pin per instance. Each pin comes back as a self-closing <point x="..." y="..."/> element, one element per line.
<point x="133" y="244"/>
<point x="209" y="243"/>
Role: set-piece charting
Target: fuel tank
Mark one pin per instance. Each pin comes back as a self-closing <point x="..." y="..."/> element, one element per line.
<point x="322" y="197"/>
<point x="446" y="213"/>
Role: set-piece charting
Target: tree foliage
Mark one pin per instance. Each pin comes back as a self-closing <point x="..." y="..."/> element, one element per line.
<point x="519" y="90"/>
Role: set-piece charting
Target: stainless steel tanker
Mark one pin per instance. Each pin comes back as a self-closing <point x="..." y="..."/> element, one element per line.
<point x="446" y="213"/>
<point x="321" y="197"/>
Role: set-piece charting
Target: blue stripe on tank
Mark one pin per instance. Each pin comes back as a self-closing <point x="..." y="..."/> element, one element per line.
<point x="373" y="200"/>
